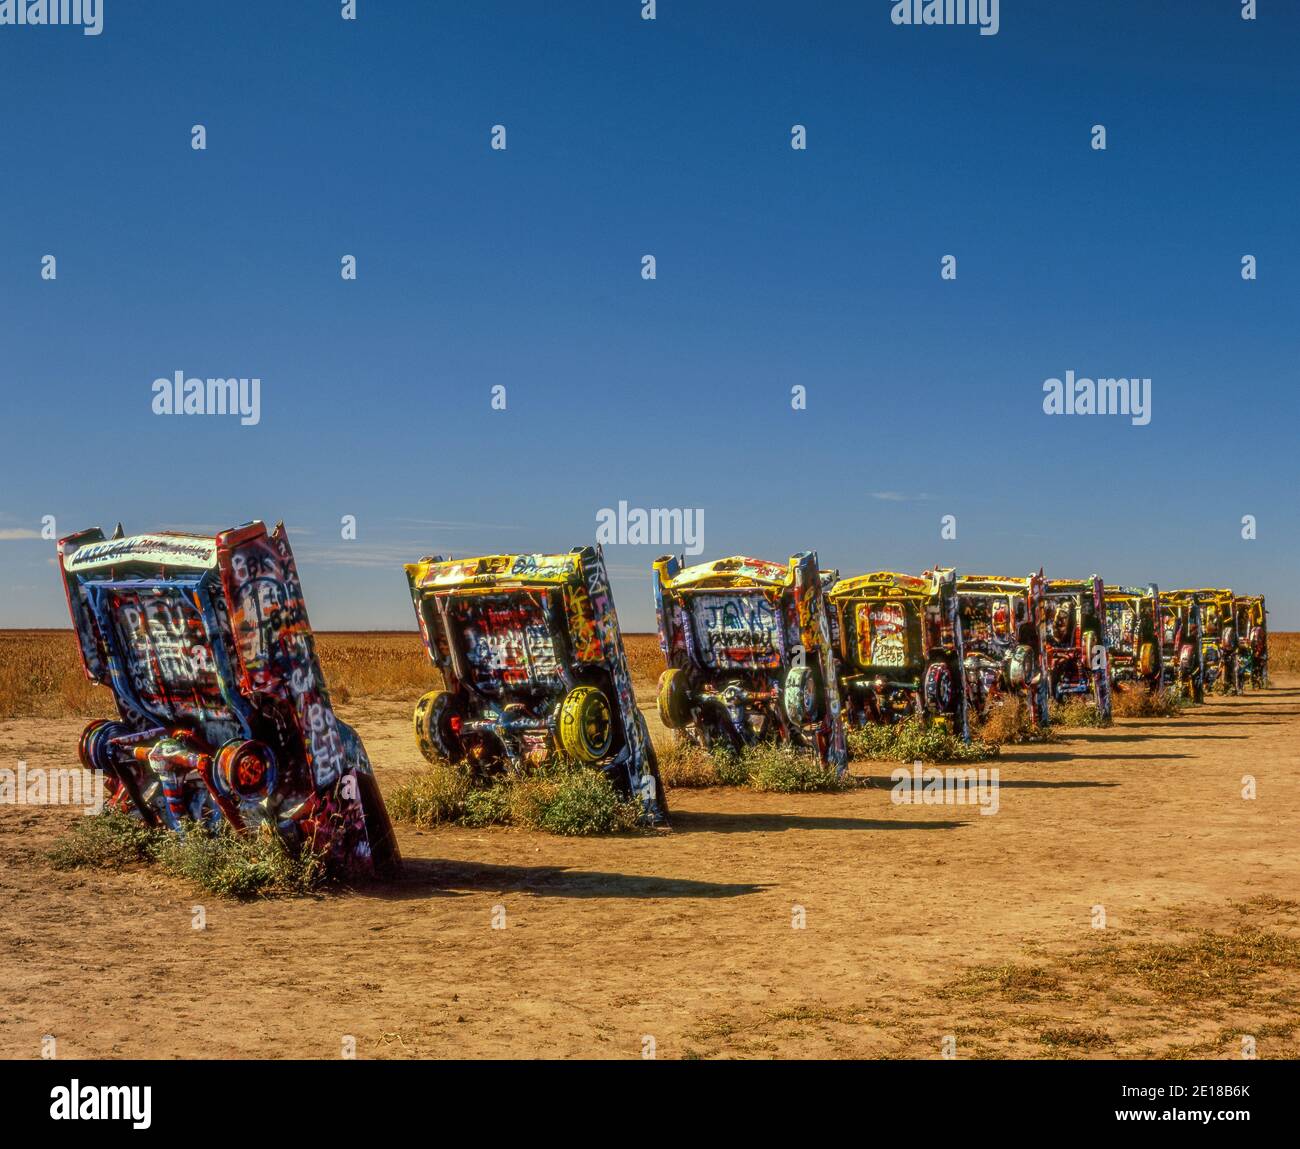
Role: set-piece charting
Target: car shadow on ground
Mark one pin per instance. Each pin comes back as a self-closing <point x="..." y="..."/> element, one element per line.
<point x="422" y="877"/>
<point x="886" y="783"/>
<point x="1173" y="731"/>
<point x="710" y="822"/>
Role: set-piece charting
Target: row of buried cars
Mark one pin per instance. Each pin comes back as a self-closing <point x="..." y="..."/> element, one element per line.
<point x="224" y="715"/>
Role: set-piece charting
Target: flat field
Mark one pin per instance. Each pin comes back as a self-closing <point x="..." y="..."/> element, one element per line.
<point x="922" y="925"/>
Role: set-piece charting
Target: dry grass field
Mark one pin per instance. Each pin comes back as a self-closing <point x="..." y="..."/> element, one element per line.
<point x="920" y="923"/>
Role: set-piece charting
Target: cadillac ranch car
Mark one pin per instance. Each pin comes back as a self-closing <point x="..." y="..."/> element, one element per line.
<point x="1180" y="639"/>
<point x="1076" y="647"/>
<point x="900" y="648"/>
<point x="1252" y="639"/>
<point x="1003" y="633"/>
<point x="749" y="654"/>
<point x="224" y="714"/>
<point x="533" y="668"/>
<point x="1220" y="663"/>
<point x="1132" y="630"/>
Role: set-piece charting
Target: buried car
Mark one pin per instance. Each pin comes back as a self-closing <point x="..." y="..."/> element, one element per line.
<point x="1183" y="652"/>
<point x="533" y="669"/>
<point x="1003" y="632"/>
<point x="1252" y="639"/>
<point x="749" y="656"/>
<point x="1219" y="640"/>
<point x="900" y="648"/>
<point x="1076" y="654"/>
<point x="1132" y="631"/>
<point x="1219" y="660"/>
<point x="224" y="715"/>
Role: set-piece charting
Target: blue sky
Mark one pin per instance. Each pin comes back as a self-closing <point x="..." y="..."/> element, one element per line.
<point x="775" y="267"/>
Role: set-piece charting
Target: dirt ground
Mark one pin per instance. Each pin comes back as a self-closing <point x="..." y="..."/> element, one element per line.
<point x="926" y="929"/>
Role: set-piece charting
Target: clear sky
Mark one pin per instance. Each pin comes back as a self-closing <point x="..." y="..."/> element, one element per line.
<point x="775" y="268"/>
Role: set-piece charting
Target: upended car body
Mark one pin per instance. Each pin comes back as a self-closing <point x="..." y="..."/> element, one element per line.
<point x="1003" y="632"/>
<point x="1077" y="660"/>
<point x="1219" y="641"/>
<point x="533" y="668"/>
<point x="900" y="648"/>
<point x="747" y="644"/>
<point x="1252" y="639"/>
<point x="1132" y="630"/>
<point x="1183" y="651"/>
<point x="224" y="714"/>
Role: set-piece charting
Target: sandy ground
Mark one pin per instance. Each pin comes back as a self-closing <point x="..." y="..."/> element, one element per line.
<point x="920" y="923"/>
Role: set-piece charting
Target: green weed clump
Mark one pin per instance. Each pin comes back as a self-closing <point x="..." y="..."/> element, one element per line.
<point x="916" y="739"/>
<point x="223" y="861"/>
<point x="561" y="798"/>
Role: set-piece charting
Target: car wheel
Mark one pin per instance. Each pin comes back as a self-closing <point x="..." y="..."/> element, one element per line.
<point x="586" y="724"/>
<point x="801" y="696"/>
<point x="437" y="727"/>
<point x="674" y="699"/>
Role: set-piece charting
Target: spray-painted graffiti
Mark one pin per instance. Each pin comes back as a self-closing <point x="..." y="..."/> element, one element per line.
<point x="508" y="643"/>
<point x="740" y="629"/>
<point x="533" y="667"/>
<point x="901" y="649"/>
<point x="224" y="712"/>
<point x="883" y="627"/>
<point x="748" y="648"/>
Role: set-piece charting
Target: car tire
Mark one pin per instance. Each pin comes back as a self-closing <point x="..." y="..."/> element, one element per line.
<point x="674" y="699"/>
<point x="801" y="696"/>
<point x="586" y="724"/>
<point x="437" y="727"/>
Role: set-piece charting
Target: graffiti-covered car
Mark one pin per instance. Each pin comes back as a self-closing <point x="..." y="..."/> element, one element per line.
<point x="1252" y="639"/>
<point x="1180" y="639"/>
<point x="1219" y="661"/>
<point x="533" y="670"/>
<point x="1132" y="631"/>
<point x="1003" y="632"/>
<point x="900" y="648"/>
<point x="747" y="645"/>
<point x="1076" y="641"/>
<point x="223" y="713"/>
<point x="1219" y="644"/>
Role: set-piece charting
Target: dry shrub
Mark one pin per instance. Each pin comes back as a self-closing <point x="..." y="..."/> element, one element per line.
<point x="1138" y="702"/>
<point x="1077" y="712"/>
<point x="1009" y="724"/>
<point x="562" y="798"/>
<point x="915" y="739"/>
<point x="683" y="765"/>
